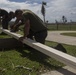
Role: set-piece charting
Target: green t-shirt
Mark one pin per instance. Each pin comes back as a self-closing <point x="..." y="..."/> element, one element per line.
<point x="36" y="24"/>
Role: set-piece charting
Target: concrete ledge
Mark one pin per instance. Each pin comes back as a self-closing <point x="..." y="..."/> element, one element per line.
<point x="62" y="71"/>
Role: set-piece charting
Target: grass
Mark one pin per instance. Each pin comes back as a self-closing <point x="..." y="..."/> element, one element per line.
<point x="69" y="34"/>
<point x="70" y="49"/>
<point x="26" y="60"/>
<point x="35" y="61"/>
<point x="61" y="27"/>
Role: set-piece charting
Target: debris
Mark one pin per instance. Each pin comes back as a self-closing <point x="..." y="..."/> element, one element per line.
<point x="2" y="69"/>
<point x="19" y="66"/>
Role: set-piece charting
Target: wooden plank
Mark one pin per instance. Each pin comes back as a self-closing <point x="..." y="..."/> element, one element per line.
<point x="58" y="55"/>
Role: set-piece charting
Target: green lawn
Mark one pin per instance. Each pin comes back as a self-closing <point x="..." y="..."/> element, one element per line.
<point x="61" y="27"/>
<point x="69" y="34"/>
<point x="28" y="61"/>
<point x="25" y="60"/>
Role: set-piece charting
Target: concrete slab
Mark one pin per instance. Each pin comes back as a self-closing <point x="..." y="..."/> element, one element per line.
<point x="63" y="71"/>
<point x="56" y="37"/>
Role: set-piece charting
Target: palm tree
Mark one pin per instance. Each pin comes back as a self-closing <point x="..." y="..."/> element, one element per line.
<point x="43" y="10"/>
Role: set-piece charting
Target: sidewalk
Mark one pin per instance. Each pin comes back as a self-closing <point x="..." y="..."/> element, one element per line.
<point x="63" y="71"/>
<point x="56" y="37"/>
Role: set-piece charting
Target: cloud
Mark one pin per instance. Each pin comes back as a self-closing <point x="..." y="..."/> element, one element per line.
<point x="58" y="8"/>
<point x="55" y="9"/>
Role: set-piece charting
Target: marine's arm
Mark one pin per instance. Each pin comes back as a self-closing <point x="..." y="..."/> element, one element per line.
<point x="26" y="30"/>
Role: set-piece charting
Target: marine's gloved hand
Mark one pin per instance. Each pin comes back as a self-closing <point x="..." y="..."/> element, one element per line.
<point x="21" y="38"/>
<point x="13" y="28"/>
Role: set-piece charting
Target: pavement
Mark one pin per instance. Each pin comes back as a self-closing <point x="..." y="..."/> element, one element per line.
<point x="63" y="71"/>
<point x="69" y="40"/>
<point x="56" y="37"/>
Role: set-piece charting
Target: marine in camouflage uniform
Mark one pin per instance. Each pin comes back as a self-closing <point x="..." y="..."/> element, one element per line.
<point x="34" y="28"/>
<point x="5" y="17"/>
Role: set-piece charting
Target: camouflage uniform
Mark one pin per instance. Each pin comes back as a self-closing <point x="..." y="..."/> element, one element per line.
<point x="4" y="15"/>
<point x="37" y="27"/>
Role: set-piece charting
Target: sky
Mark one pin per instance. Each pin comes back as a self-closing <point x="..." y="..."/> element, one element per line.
<point x="55" y="9"/>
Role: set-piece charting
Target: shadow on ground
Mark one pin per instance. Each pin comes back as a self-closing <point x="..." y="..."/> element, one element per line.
<point x="37" y="56"/>
<point x="61" y="48"/>
<point x="65" y="71"/>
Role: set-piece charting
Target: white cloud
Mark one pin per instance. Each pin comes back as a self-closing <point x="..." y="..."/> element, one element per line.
<point x="55" y="9"/>
<point x="58" y="8"/>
